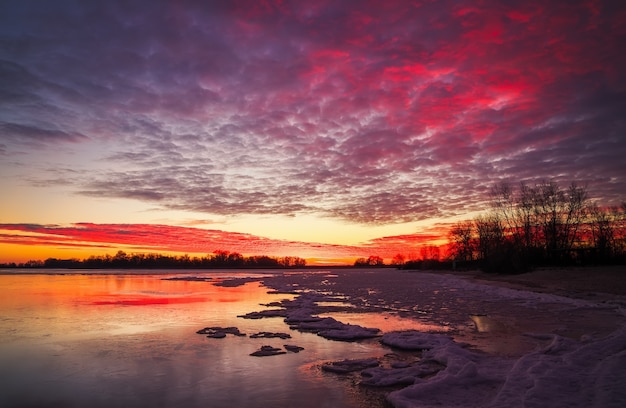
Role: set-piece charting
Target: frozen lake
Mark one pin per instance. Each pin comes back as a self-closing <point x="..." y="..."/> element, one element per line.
<point x="129" y="339"/>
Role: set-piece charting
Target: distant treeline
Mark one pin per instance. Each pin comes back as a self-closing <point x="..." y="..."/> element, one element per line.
<point x="122" y="260"/>
<point x="371" y="261"/>
<point x="429" y="261"/>
<point x="540" y="225"/>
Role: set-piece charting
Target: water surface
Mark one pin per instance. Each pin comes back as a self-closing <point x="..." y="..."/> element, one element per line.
<point x="124" y="339"/>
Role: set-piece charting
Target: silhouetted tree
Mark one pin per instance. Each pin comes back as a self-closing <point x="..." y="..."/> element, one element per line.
<point x="235" y="260"/>
<point x="541" y="224"/>
<point x="490" y="235"/>
<point x="398" y="260"/>
<point x="516" y="214"/>
<point x="462" y="241"/>
<point x="219" y="259"/>
<point x="430" y="253"/>
<point x="372" y="260"/>
<point x="360" y="262"/>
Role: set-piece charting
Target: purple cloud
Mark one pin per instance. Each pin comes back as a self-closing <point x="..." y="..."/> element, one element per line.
<point x="382" y="113"/>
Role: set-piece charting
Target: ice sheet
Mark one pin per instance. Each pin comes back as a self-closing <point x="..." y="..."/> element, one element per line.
<point x="573" y="351"/>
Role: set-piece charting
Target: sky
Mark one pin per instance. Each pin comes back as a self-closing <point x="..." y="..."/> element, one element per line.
<point x="328" y="130"/>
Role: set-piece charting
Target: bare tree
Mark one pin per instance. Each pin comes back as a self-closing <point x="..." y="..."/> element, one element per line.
<point x="603" y="230"/>
<point x="541" y="224"/>
<point x="576" y="208"/>
<point x="560" y="215"/>
<point x="517" y="215"/>
<point x="504" y="204"/>
<point x="490" y="235"/>
<point x="526" y="218"/>
<point x="430" y="253"/>
<point x="461" y="237"/>
<point x="398" y="260"/>
<point x="547" y="207"/>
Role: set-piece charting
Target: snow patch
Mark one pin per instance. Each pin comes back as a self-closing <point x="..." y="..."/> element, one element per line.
<point x="566" y="373"/>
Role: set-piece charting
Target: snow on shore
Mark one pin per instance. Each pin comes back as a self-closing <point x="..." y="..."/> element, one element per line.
<point x="562" y="370"/>
<point x="566" y="373"/>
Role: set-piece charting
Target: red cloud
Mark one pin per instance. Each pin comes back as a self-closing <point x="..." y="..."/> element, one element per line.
<point x="361" y="109"/>
<point x="155" y="238"/>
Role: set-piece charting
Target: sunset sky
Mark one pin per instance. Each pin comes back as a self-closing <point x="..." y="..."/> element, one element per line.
<point x="328" y="130"/>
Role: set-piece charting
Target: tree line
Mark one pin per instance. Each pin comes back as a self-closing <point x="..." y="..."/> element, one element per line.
<point x="122" y="260"/>
<point x="371" y="261"/>
<point x="540" y="225"/>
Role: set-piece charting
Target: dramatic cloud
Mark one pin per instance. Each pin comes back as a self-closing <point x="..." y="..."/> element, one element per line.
<point x="371" y="112"/>
<point x="158" y="238"/>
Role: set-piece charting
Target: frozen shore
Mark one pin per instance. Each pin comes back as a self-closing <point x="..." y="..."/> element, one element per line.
<point x="549" y="338"/>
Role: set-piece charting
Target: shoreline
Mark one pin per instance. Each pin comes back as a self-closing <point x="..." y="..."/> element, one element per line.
<point x="494" y="313"/>
<point x="593" y="283"/>
<point x="602" y="291"/>
<point x="506" y="331"/>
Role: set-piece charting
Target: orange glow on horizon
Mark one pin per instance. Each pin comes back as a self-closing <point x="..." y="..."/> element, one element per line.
<point x="20" y="254"/>
<point x="25" y="242"/>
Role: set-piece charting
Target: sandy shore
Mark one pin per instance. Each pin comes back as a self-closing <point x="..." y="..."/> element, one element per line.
<point x="590" y="283"/>
<point x="604" y="287"/>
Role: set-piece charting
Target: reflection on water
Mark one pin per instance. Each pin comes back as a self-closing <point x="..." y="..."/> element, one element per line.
<point x="386" y="322"/>
<point x="486" y="324"/>
<point x="129" y="340"/>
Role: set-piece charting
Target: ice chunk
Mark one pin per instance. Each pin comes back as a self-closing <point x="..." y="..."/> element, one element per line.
<point x="220" y="332"/>
<point x="265" y="313"/>
<point x="415" y="340"/>
<point x="387" y="377"/>
<point x="270" y="335"/>
<point x="348" y="366"/>
<point x="267" y="351"/>
<point x="349" y="332"/>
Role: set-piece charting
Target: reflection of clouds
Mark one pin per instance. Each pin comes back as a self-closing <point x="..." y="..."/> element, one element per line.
<point x="151" y="353"/>
<point x="376" y="115"/>
<point x="386" y="322"/>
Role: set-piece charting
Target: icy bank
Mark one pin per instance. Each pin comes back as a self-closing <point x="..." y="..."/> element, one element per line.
<point x="576" y="360"/>
<point x="566" y="373"/>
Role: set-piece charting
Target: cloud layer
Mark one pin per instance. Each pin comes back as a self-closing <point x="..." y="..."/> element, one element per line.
<point x="371" y="112"/>
<point x="159" y="238"/>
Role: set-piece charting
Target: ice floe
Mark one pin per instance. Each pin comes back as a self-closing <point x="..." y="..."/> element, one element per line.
<point x="293" y="348"/>
<point x="220" y="332"/>
<point x="234" y="282"/>
<point x="399" y="375"/>
<point x="270" y="335"/>
<point x="348" y="366"/>
<point x="415" y="340"/>
<point x="300" y="314"/>
<point x="189" y="278"/>
<point x="265" y="351"/>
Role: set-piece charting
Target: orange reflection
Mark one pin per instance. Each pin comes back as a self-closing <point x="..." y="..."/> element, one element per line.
<point x="386" y="322"/>
<point x="74" y="305"/>
<point x="146" y="301"/>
